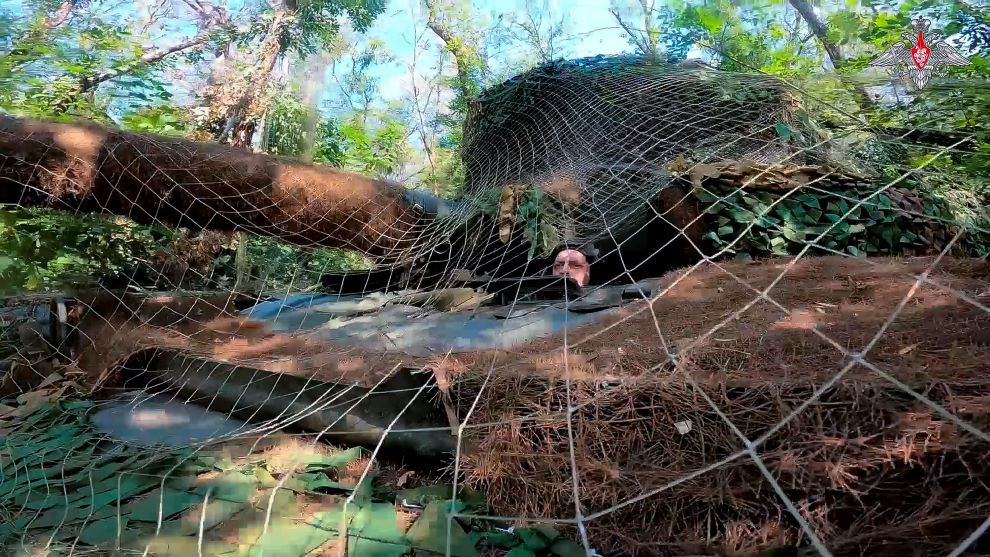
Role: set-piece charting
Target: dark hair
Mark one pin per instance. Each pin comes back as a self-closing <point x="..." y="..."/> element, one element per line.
<point x="588" y="250"/>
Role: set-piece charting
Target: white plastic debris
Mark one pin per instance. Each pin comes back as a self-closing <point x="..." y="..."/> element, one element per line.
<point x="683" y="427"/>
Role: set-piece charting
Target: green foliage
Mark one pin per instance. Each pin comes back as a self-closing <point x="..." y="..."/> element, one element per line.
<point x="446" y="177"/>
<point x="531" y="212"/>
<point x="540" y="539"/>
<point x="755" y="224"/>
<point x="377" y="151"/>
<point x="49" y="251"/>
<point x="163" y="119"/>
<point x="64" y="478"/>
<point x="276" y="265"/>
<point x="46" y="250"/>
<point x="288" y="122"/>
<point x="743" y="40"/>
<point x="42" y="74"/>
<point x="42" y="69"/>
<point x="317" y="22"/>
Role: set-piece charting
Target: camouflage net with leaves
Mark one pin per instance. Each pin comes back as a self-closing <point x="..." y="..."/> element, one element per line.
<point x="588" y="142"/>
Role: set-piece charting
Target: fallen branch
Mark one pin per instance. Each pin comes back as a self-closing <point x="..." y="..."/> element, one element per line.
<point x="87" y="168"/>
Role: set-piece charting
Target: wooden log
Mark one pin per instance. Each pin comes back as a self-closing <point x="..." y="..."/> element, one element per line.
<point x="88" y="168"/>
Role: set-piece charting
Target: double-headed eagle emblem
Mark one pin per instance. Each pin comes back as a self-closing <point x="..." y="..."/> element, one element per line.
<point x="922" y="56"/>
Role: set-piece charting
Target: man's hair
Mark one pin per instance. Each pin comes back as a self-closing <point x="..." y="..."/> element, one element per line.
<point x="588" y="250"/>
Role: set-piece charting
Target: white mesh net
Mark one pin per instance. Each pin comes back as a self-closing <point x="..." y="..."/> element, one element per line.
<point x="768" y="336"/>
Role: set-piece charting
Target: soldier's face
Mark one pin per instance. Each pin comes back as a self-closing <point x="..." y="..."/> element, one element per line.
<point x="573" y="264"/>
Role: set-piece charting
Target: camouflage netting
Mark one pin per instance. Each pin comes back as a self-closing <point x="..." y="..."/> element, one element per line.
<point x="838" y="403"/>
<point x="599" y="134"/>
<point x="587" y="146"/>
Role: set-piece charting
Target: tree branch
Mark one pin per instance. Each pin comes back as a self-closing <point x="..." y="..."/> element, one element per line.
<point x="820" y="30"/>
<point x="454" y="46"/>
<point x="148" y="58"/>
<point x="61" y="15"/>
<point x="634" y="36"/>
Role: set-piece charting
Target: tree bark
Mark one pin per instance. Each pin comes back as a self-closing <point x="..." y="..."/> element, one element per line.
<point x="86" y="168"/>
<point x="819" y="29"/>
<point x="237" y="127"/>
<point x="454" y="46"/>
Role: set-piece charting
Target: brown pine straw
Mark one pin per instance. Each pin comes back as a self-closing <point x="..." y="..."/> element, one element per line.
<point x="869" y="467"/>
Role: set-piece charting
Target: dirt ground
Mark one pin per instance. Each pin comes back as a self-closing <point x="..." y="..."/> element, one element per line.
<point x="665" y="395"/>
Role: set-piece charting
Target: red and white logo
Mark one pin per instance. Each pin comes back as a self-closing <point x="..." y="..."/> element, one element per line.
<point x="922" y="56"/>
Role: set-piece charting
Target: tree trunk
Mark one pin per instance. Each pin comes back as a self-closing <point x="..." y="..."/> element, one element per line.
<point x="454" y="45"/>
<point x="819" y="29"/>
<point x="238" y="128"/>
<point x="86" y="168"/>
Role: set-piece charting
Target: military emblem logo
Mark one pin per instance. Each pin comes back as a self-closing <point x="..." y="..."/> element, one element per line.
<point x="922" y="56"/>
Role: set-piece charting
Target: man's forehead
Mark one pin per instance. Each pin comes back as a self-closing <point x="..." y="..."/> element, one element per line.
<point x="571" y="255"/>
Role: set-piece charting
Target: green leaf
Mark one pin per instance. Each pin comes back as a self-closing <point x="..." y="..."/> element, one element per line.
<point x="889" y="233"/>
<point x="337" y="460"/>
<point x="725" y="231"/>
<point x="532" y="539"/>
<point x="857" y="228"/>
<point x="430" y="532"/>
<point x="167" y="502"/>
<point x="705" y="196"/>
<point x="264" y="477"/>
<point x="422" y="495"/>
<point x="813" y="216"/>
<point x="13" y="528"/>
<point x="102" y="531"/>
<point x="793" y="235"/>
<point x="520" y="551"/>
<point x="500" y="539"/>
<point x="364" y="492"/>
<point x="377" y="521"/>
<point x="233" y="486"/>
<point x="741" y="215"/>
<point x="109" y="491"/>
<point x="547" y="531"/>
<point x="188" y="523"/>
<point x="361" y="547"/>
<point x="326" y="483"/>
<point x="783" y="131"/>
<point x="567" y="548"/>
<point x="288" y="538"/>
